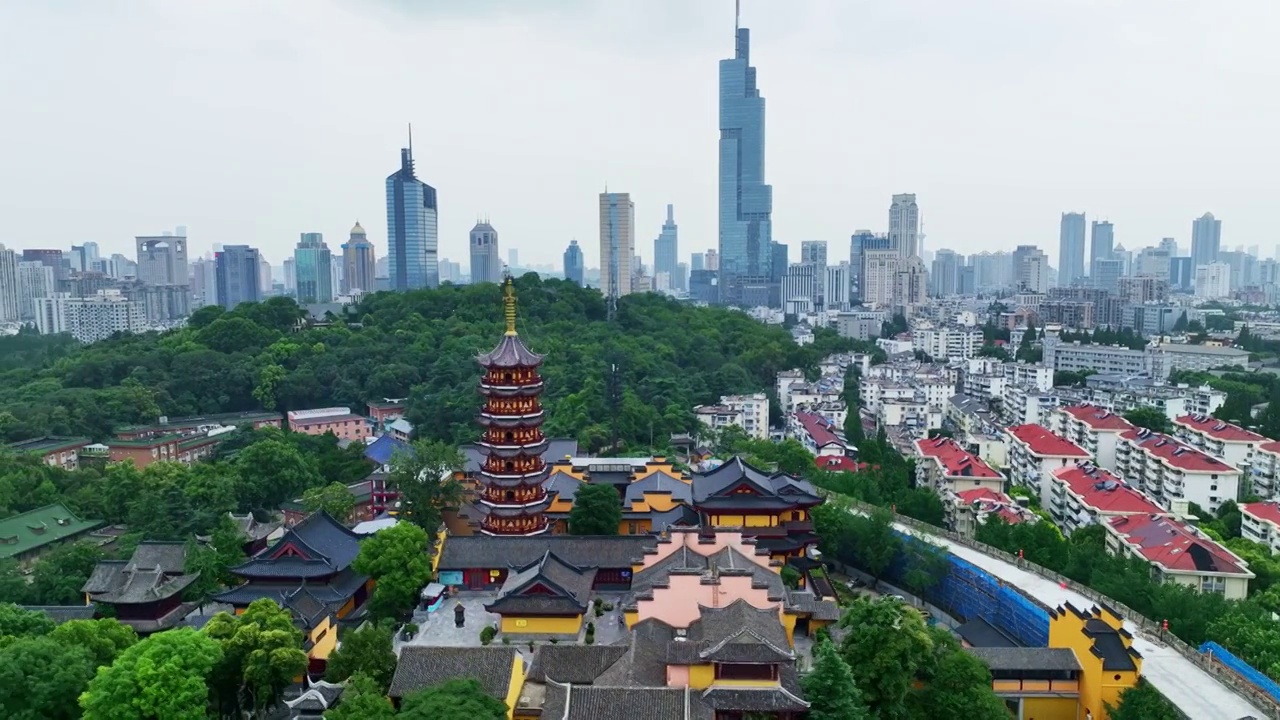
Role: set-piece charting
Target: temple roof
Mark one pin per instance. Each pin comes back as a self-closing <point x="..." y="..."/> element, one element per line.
<point x="335" y="591"/>
<point x="510" y="353"/>
<point x="737" y="480"/>
<point x="153" y="573"/>
<point x="316" y="547"/>
<point x="736" y="633"/>
<point x="486" y="551"/>
<point x="423" y="666"/>
<point x="561" y="588"/>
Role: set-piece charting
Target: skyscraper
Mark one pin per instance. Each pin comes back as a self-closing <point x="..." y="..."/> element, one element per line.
<point x="1101" y="244"/>
<point x="162" y="260"/>
<point x="814" y="252"/>
<point x="83" y="256"/>
<point x="412" y="228"/>
<point x="879" y="275"/>
<point x="1030" y="269"/>
<point x="573" y="264"/>
<point x="513" y="258"/>
<point x="696" y="262"/>
<point x="911" y="282"/>
<point x="486" y="264"/>
<point x="359" y="260"/>
<point x="238" y="279"/>
<point x="1206" y="240"/>
<point x="666" y="251"/>
<point x="944" y="278"/>
<point x="617" y="243"/>
<point x="1071" y="248"/>
<point x="8" y="285"/>
<point x="35" y="281"/>
<point x="746" y="202"/>
<point x="859" y="243"/>
<point x="314" y="267"/>
<point x="904" y="225"/>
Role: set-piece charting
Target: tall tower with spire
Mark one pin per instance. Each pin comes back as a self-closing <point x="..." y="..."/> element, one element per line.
<point x="512" y="473"/>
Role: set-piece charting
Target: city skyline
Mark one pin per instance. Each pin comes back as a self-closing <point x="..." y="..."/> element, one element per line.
<point x="262" y="183"/>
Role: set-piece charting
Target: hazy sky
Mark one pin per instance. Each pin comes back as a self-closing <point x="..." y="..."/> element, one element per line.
<point x="251" y="121"/>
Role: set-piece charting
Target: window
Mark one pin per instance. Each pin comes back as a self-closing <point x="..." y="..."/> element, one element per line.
<point x="1216" y="585"/>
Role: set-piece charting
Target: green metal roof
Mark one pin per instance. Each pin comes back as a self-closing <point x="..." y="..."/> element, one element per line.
<point x="48" y="444"/>
<point x="37" y="528"/>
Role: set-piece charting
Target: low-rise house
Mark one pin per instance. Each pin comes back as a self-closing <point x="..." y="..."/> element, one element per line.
<point x="1035" y="454"/>
<point x="1172" y="472"/>
<point x="63" y="452"/>
<point x="25" y="536"/>
<point x="201" y="425"/>
<point x="340" y="421"/>
<point x="967" y="509"/>
<point x="147" y="449"/>
<point x="944" y="465"/>
<point x="1232" y="443"/>
<point x="1085" y="494"/>
<point x="818" y="435"/>
<point x="749" y="412"/>
<point x="500" y="671"/>
<point x="386" y="412"/>
<point x="1179" y="553"/>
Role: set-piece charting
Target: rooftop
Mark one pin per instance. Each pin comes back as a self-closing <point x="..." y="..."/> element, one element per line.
<point x="1044" y="443"/>
<point x="1176" y="453"/>
<point x="953" y="458"/>
<point x="1268" y="511"/>
<point x="422" y="666"/>
<point x="1219" y="430"/>
<point x="1027" y="658"/>
<point x="1097" y="418"/>
<point x="1175" y="546"/>
<point x="819" y="429"/>
<point x="1205" y="350"/>
<point x="37" y="528"/>
<point x="1104" y="492"/>
<point x="48" y="444"/>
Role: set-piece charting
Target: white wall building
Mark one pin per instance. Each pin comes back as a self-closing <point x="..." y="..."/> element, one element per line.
<point x="93" y="318"/>
<point x="1173" y="473"/>
<point x="1035" y="454"/>
<point x="1096" y="430"/>
<point x="1213" y="281"/>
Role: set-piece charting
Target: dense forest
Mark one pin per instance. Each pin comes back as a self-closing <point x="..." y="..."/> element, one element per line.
<point x="422" y="345"/>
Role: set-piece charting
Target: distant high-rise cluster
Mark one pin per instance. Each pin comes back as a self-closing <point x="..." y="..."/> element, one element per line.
<point x="313" y="265"/>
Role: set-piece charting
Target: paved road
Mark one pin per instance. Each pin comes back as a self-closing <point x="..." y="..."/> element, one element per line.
<point x="1194" y="691"/>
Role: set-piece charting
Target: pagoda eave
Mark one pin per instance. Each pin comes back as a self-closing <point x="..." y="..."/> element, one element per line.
<point x="531" y="509"/>
<point x="510" y="390"/>
<point x="507" y="452"/>
<point x="506" y="421"/>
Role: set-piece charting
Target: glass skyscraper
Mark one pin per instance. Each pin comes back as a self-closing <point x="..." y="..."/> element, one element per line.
<point x="1071" y="248"/>
<point x="573" y="266"/>
<point x="313" y="269"/>
<point x="236" y="275"/>
<point x="412" y="231"/>
<point x="666" y="251"/>
<point x="746" y="202"/>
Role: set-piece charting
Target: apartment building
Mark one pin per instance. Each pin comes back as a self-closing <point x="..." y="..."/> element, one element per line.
<point x="917" y="416"/>
<point x="1025" y="405"/>
<point x="1035" y="454"/>
<point x="1036" y="376"/>
<point x="1085" y="494"/>
<point x="1179" y="553"/>
<point x="1172" y="472"/>
<point x="1235" y="445"/>
<point x="1094" y="429"/>
<point x="873" y="391"/>
<point x="947" y="343"/>
<point x="967" y="509"/>
<point x="1264" y="471"/>
<point x="749" y="412"/>
<point x="818" y="435"/>
<point x="340" y="421"/>
<point x="62" y="452"/>
<point x="1201" y="357"/>
<point x="1122" y="393"/>
<point x="944" y="465"/>
<point x="1260" y="522"/>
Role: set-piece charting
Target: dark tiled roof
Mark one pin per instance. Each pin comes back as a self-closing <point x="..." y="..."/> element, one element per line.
<point x="982" y="634"/>
<point x="152" y="573"/>
<point x="660" y="482"/>
<point x="727" y="475"/>
<point x="1108" y="645"/>
<point x="485" y="551"/>
<point x="557" y="449"/>
<point x="578" y="664"/>
<point x="318" y="697"/>
<point x="803" y="602"/>
<point x="250" y="528"/>
<point x="753" y="699"/>
<point x="63" y="613"/>
<point x="725" y="559"/>
<point x="679" y="515"/>
<point x="578" y="702"/>
<point x="421" y="666"/>
<point x="326" y="547"/>
<point x="570" y="587"/>
<point x="564" y="485"/>
<point x="1024" y="658"/>
<point x="168" y="557"/>
<point x="510" y="352"/>
<point x="739" y="632"/>
<point x="338" y="590"/>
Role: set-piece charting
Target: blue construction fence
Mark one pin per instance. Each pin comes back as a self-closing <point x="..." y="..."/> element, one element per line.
<point x="1244" y="669"/>
<point x="966" y="592"/>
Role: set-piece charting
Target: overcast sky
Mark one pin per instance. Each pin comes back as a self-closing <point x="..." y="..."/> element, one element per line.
<point x="251" y="121"/>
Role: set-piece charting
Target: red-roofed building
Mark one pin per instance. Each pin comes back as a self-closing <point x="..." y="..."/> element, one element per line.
<point x="1180" y="554"/>
<point x="1265" y="470"/>
<point x="1085" y="494"/>
<point x="1260" y="522"/>
<point x="1095" y="429"/>
<point x="1221" y="439"/>
<point x="944" y="465"/>
<point x="817" y="434"/>
<point x="967" y="509"/>
<point x="839" y="463"/>
<point x="1034" y="455"/>
<point x="1170" y="471"/>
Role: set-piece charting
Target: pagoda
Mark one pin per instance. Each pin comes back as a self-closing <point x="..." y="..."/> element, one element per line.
<point x="511" y="495"/>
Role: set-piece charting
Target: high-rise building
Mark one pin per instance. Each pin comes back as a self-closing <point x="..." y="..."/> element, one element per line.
<point x="35" y="281"/>
<point x="860" y="242"/>
<point x="204" y="283"/>
<point x="746" y="201"/>
<point x="617" y="243"/>
<point x="1152" y="262"/>
<point x="879" y="275"/>
<point x="697" y="262"/>
<point x="10" y="308"/>
<point x="904" y="225"/>
<point x="359" y="260"/>
<point x="1071" y="248"/>
<point x="798" y="288"/>
<point x="412" y="228"/>
<point x="1206" y="240"/>
<point x="945" y="275"/>
<point x="264" y="276"/>
<point x="290" y="270"/>
<point x="1213" y="281"/>
<point x="574" y="266"/>
<point x="1101" y="243"/>
<point x="911" y="285"/>
<point x="836" y="286"/>
<point x="486" y="264"/>
<point x="666" y="251"/>
<point x="713" y="260"/>
<point x="121" y="267"/>
<point x="1170" y="246"/>
<point x="1181" y="273"/>
<point x="93" y="318"/>
<point x="83" y="256"/>
<point x="513" y="258"/>
<point x="1030" y="269"/>
<point x="162" y="260"/>
<point x="1107" y="273"/>
<point x="313" y="264"/>
<point x="237" y="275"/>
<point x="814" y="252"/>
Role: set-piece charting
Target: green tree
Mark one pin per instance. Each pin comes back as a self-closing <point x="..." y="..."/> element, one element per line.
<point x="1142" y="702"/>
<point x="60" y="573"/>
<point x="13" y="584"/>
<point x="399" y="561"/>
<point x="18" y="622"/>
<point x="162" y="676"/>
<point x="261" y="655"/>
<point x="272" y="471"/>
<point x="424" y="477"/>
<point x="40" y="679"/>
<point x="597" y="510"/>
<point x="453" y="700"/>
<point x="103" y="639"/>
<point x="956" y="684"/>
<point x="885" y="644"/>
<point x="1150" y="418"/>
<point x="876" y="541"/>
<point x="362" y="699"/>
<point x="333" y="498"/>
<point x="830" y="688"/>
<point x="214" y="559"/>
<point x="365" y="653"/>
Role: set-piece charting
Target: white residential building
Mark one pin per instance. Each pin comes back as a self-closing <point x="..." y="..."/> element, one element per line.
<point x="1095" y="430"/>
<point x="1179" y="553"/>
<point x="1260" y="522"/>
<point x="749" y="412"/>
<point x="1213" y="281"/>
<point x="1038" y="376"/>
<point x="947" y="343"/>
<point x="968" y="509"/>
<point x="1265" y="471"/>
<point x="1085" y="494"/>
<point x="1231" y="443"/>
<point x="93" y="318"/>
<point x="945" y="466"/>
<point x="1025" y="405"/>
<point x="1173" y="473"/>
<point x="1199" y="357"/>
<point x="1035" y="454"/>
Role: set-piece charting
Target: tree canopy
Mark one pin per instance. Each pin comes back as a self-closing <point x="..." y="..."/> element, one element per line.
<point x="163" y="676"/>
<point x="597" y="510"/>
<point x="365" y="652"/>
<point x="398" y="560"/>
<point x="453" y="700"/>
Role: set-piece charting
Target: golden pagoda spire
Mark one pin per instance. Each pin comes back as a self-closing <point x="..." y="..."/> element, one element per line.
<point x="509" y="303"/>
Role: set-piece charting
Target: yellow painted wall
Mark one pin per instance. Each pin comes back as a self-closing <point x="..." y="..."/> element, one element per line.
<point x="439" y="550"/>
<point x="324" y="639"/>
<point x="642" y="527"/>
<point x="701" y="676"/>
<point x="789" y="623"/>
<point x="542" y="625"/>
<point x="727" y="520"/>
<point x="632" y="617"/>
<point x="1048" y="708"/>
<point x="761" y="520"/>
<point x="1097" y="686"/>
<point x="517" y="684"/>
<point x="662" y="502"/>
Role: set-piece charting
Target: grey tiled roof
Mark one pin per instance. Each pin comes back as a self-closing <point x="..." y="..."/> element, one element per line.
<point x="803" y="602"/>
<point x="485" y="551"/>
<point x="154" y="572"/>
<point x="421" y="666"/>
<point x="585" y="702"/>
<point x="1027" y="658"/>
<point x="168" y="557"/>
<point x="564" y="485"/>
<point x="753" y="699"/>
<point x="739" y="632"/>
<point x="571" y="586"/>
<point x="660" y="482"/>
<point x="578" y="664"/>
<point x="711" y="485"/>
<point x="327" y="547"/>
<point x="686" y="559"/>
<point x="510" y="352"/>
<point x="337" y="590"/>
<point x="251" y="528"/>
